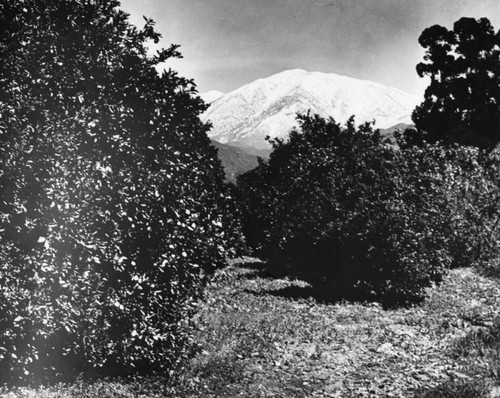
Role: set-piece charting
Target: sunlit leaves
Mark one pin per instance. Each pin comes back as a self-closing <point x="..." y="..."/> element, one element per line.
<point x="109" y="189"/>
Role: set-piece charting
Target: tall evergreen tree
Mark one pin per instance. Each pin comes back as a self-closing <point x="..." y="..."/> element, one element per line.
<point x="462" y="102"/>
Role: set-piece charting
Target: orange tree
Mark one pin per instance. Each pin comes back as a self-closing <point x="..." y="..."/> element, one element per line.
<point x="112" y="203"/>
<point x="361" y="218"/>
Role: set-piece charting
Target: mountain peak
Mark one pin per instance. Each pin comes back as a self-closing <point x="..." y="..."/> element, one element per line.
<point x="269" y="106"/>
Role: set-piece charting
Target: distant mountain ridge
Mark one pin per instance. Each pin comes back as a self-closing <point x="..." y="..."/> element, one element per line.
<point x="268" y="107"/>
<point x="401" y="127"/>
<point x="236" y="160"/>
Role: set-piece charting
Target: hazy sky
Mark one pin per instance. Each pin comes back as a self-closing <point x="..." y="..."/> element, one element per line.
<point x="228" y="43"/>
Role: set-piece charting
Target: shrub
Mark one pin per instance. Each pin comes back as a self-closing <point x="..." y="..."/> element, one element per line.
<point x="112" y="204"/>
<point x="360" y="217"/>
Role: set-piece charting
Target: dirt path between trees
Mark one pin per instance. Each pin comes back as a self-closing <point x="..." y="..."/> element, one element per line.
<point x="261" y="336"/>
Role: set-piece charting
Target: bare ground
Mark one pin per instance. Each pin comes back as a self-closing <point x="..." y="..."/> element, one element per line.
<point x="261" y="336"/>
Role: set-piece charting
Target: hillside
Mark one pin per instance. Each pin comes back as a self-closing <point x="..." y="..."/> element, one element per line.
<point x="211" y="96"/>
<point x="268" y="107"/>
<point x="237" y="160"/>
<point x="401" y="127"/>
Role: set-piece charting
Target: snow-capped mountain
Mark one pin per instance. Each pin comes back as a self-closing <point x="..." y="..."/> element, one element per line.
<point x="245" y="116"/>
<point x="211" y="96"/>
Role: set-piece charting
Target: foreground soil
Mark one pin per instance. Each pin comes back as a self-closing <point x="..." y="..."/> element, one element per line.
<point x="260" y="335"/>
<point x="263" y="336"/>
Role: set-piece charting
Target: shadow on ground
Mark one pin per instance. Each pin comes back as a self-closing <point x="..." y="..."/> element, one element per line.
<point x="298" y="287"/>
<point x="301" y="283"/>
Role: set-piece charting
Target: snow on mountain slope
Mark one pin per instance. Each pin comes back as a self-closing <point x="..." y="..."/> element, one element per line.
<point x="211" y="96"/>
<point x="244" y="117"/>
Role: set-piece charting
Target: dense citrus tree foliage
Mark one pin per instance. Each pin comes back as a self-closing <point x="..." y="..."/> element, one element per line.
<point x="361" y="218"/>
<point x="112" y="204"/>
<point x="462" y="101"/>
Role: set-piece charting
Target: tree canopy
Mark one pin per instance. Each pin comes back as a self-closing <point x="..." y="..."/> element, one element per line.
<point x="462" y="102"/>
<point x="112" y="203"/>
<point x="343" y="209"/>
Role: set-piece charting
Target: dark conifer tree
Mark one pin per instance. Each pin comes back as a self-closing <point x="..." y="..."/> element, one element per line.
<point x="462" y="102"/>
